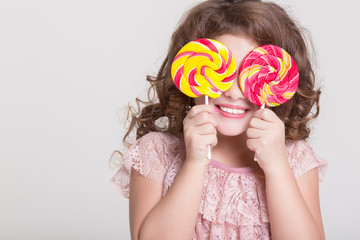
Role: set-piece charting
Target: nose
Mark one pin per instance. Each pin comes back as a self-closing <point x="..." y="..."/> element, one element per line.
<point x="234" y="92"/>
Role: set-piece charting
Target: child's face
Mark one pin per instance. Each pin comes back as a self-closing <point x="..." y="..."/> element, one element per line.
<point x="235" y="110"/>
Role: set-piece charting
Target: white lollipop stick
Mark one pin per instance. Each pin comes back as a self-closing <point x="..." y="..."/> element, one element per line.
<point x="209" y="150"/>
<point x="262" y="107"/>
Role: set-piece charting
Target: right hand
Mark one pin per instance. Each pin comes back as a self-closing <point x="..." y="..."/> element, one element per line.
<point x="199" y="132"/>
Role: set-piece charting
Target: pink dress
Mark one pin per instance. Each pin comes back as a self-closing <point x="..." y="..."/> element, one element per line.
<point x="233" y="204"/>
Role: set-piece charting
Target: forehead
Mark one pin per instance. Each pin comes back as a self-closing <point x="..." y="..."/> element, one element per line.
<point x="239" y="45"/>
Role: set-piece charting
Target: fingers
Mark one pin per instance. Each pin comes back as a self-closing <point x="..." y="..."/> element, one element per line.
<point x="200" y="132"/>
<point x="266" y="115"/>
<point x="207" y="140"/>
<point x="206" y="129"/>
<point x="200" y="115"/>
<point x="258" y="123"/>
<point x="200" y="122"/>
<point x="265" y="135"/>
<point x="195" y="110"/>
<point x="253" y="133"/>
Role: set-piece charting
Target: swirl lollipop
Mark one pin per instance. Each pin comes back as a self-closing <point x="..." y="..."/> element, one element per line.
<point x="268" y="76"/>
<point x="204" y="67"/>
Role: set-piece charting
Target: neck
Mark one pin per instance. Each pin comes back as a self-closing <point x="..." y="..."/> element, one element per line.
<point x="233" y="150"/>
<point x="237" y="143"/>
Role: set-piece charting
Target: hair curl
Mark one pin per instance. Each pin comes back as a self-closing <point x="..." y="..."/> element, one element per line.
<point x="263" y="22"/>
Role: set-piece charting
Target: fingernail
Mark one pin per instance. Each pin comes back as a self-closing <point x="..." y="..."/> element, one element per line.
<point x="216" y="109"/>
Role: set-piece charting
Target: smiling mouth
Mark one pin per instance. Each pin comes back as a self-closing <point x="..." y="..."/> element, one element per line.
<point x="232" y="110"/>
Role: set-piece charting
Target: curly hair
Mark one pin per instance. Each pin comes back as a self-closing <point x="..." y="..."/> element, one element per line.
<point x="264" y="23"/>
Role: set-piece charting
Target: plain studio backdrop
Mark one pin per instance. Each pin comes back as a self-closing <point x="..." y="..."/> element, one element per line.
<point x="68" y="69"/>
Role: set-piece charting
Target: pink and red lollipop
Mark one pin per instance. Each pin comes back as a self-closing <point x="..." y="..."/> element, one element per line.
<point x="268" y="76"/>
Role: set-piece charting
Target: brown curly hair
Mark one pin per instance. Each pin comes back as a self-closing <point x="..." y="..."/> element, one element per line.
<point x="263" y="22"/>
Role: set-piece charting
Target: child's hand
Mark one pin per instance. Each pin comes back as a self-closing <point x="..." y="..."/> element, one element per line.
<point x="199" y="132"/>
<point x="266" y="137"/>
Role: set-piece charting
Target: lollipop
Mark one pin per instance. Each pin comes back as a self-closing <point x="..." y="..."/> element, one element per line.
<point x="268" y="76"/>
<point x="204" y="67"/>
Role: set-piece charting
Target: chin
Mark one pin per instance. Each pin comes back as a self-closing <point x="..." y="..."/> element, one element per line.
<point x="232" y="127"/>
<point x="231" y="132"/>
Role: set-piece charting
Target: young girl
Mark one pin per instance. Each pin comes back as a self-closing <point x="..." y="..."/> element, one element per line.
<point x="175" y="192"/>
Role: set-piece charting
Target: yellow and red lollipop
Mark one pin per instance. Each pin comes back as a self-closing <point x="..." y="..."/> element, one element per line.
<point x="268" y="76"/>
<point x="204" y="67"/>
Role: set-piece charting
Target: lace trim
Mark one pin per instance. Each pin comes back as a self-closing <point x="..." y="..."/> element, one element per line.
<point x="303" y="159"/>
<point x="208" y="230"/>
<point x="237" y="199"/>
<point x="228" y="198"/>
<point x="152" y="157"/>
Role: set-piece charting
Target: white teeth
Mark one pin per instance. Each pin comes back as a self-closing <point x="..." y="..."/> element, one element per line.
<point x="231" y="110"/>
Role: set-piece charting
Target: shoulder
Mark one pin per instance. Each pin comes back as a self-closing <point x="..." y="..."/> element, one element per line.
<point x="155" y="150"/>
<point x="302" y="158"/>
<point x="160" y="142"/>
<point x="158" y="136"/>
<point x="151" y="156"/>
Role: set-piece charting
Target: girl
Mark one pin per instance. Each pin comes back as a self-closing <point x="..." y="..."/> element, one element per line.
<point x="175" y="192"/>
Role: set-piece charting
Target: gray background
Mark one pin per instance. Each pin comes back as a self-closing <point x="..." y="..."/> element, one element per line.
<point x="69" y="67"/>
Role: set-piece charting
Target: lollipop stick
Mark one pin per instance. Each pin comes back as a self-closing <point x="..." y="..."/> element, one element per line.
<point x="262" y="107"/>
<point x="209" y="150"/>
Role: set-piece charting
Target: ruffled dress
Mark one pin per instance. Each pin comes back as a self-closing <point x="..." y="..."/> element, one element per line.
<point x="233" y="204"/>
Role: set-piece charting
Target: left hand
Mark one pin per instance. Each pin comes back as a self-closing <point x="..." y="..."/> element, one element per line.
<point x="266" y="137"/>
